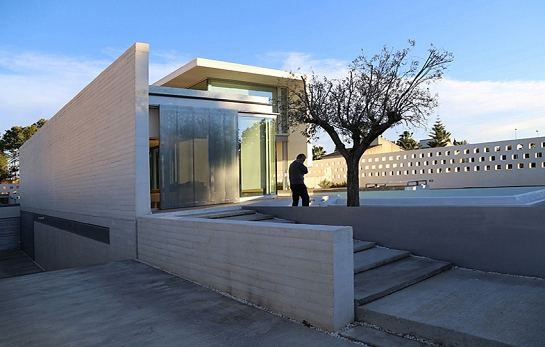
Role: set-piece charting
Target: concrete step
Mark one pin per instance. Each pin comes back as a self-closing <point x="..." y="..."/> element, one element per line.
<point x="221" y="214"/>
<point x="252" y="217"/>
<point x="378" y="282"/>
<point x="465" y="308"/>
<point x="360" y="245"/>
<point x="379" y="338"/>
<point x="375" y="257"/>
<point x="246" y="215"/>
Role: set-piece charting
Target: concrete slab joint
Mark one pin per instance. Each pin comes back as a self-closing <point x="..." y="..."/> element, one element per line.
<point x="304" y="272"/>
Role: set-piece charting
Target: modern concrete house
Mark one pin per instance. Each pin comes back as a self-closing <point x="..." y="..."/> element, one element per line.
<point x="209" y="133"/>
<point x="229" y="122"/>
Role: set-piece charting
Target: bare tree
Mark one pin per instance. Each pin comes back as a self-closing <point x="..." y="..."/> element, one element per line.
<point x="378" y="93"/>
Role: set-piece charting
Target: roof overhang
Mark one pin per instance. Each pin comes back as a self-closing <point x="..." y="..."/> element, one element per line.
<point x="200" y="69"/>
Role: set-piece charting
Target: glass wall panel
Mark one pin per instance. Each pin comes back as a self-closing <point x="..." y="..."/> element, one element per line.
<point x="198" y="150"/>
<point x="271" y="155"/>
<point x="257" y="156"/>
<point x="201" y="165"/>
<point x="168" y="130"/>
<point x="242" y="88"/>
<point x="224" y="183"/>
<point x="184" y="183"/>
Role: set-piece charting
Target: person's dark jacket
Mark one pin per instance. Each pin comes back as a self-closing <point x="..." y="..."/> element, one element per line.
<point x="297" y="171"/>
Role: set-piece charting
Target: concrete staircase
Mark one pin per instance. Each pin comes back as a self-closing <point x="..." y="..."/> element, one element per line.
<point x="379" y="272"/>
<point x="410" y="301"/>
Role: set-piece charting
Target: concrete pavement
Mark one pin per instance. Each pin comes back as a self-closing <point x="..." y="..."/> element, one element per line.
<point x="132" y="304"/>
<point x="463" y="307"/>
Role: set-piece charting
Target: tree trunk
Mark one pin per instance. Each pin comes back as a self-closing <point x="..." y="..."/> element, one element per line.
<point x="353" y="182"/>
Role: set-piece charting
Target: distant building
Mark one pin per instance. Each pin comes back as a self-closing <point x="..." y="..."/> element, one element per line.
<point x="9" y="192"/>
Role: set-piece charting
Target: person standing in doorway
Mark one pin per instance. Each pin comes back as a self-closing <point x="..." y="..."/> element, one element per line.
<point x="297" y="171"/>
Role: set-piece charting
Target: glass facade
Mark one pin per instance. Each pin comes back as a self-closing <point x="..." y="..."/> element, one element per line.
<point x="210" y="156"/>
<point x="257" y="156"/>
<point x="198" y="153"/>
<point x="235" y="87"/>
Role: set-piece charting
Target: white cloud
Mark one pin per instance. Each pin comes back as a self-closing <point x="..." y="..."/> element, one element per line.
<point x="489" y="111"/>
<point x="476" y="111"/>
<point x="162" y="63"/>
<point x="35" y="86"/>
<point x="305" y="64"/>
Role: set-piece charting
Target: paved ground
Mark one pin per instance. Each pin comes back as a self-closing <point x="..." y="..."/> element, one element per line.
<point x="131" y="304"/>
<point x="466" y="308"/>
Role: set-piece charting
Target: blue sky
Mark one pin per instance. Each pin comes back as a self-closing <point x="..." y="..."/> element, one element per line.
<point x="49" y="50"/>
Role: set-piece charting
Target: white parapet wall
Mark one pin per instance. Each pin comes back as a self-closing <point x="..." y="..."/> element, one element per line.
<point x="304" y="272"/>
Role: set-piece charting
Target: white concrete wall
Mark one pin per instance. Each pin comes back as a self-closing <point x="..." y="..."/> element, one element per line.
<point x="301" y="271"/>
<point x="89" y="163"/>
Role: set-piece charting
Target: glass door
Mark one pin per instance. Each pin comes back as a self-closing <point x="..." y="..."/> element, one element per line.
<point x="257" y="156"/>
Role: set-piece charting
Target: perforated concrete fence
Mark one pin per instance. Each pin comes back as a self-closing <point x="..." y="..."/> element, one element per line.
<point x="493" y="164"/>
<point x="304" y="272"/>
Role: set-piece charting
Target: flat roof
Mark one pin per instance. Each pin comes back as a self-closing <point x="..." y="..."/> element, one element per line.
<point x="199" y="69"/>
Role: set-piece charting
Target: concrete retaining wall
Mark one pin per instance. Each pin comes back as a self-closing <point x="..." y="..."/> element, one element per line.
<point x="303" y="272"/>
<point x="508" y="240"/>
